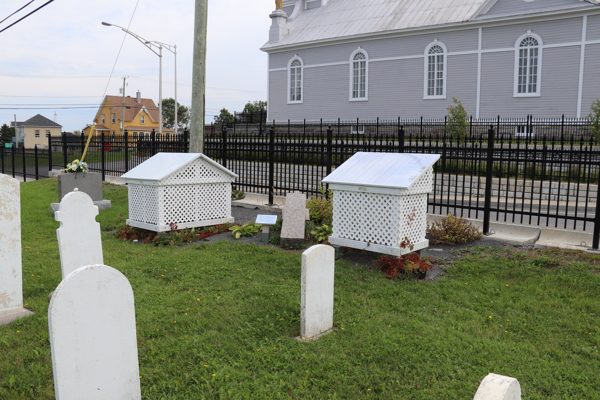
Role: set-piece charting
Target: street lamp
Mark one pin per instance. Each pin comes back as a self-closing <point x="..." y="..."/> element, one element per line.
<point x="149" y="45"/>
<point x="172" y="49"/>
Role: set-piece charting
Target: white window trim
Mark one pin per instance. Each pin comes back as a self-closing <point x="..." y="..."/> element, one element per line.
<point x="350" y="79"/>
<point x="539" y="71"/>
<point x="296" y="57"/>
<point x="426" y="70"/>
<point x="142" y="120"/>
<point x="113" y="118"/>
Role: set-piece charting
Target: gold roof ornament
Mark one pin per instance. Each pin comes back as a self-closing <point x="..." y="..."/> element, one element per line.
<point x="279" y="4"/>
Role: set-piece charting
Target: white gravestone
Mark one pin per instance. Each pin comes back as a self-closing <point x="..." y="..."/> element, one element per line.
<point x="91" y="320"/>
<point x="78" y="237"/>
<point x="317" y="282"/>
<point x="498" y="387"/>
<point x="295" y="214"/>
<point x="11" y="275"/>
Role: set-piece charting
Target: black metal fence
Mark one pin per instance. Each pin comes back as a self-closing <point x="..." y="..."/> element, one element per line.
<point x="542" y="172"/>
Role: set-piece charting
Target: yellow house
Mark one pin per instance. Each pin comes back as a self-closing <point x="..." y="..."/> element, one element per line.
<point x="140" y="116"/>
<point x="35" y="131"/>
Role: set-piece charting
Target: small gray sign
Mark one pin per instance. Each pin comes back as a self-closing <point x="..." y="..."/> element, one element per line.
<point x="266" y="219"/>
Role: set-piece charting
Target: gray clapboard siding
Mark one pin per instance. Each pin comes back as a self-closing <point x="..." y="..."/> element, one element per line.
<point x="559" y="90"/>
<point x="593" y="31"/>
<point x="405" y="46"/>
<point x="552" y="32"/>
<point x="591" y="82"/>
<point x="512" y="7"/>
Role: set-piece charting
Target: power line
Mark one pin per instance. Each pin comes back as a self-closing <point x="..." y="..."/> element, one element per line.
<point x="17" y="11"/>
<point x="21" y="19"/>
<point x="51" y="97"/>
<point x="121" y="48"/>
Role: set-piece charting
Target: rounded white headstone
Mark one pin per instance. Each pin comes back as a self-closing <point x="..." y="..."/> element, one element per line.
<point x="91" y="320"/>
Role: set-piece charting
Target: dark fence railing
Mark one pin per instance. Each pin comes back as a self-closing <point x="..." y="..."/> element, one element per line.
<point x="542" y="172"/>
<point x="115" y="155"/>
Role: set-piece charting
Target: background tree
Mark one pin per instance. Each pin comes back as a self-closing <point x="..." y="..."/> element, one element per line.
<point x="593" y="119"/>
<point x="168" y="111"/>
<point x="254" y="108"/>
<point x="6" y="134"/>
<point x="458" y="120"/>
<point x="224" y="117"/>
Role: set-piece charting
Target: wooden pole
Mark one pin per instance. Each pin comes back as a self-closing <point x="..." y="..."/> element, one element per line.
<point x="199" y="78"/>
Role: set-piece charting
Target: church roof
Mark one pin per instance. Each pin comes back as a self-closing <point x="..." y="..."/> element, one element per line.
<point x="347" y="18"/>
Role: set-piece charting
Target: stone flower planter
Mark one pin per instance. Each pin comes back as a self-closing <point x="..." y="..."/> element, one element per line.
<point x="89" y="183"/>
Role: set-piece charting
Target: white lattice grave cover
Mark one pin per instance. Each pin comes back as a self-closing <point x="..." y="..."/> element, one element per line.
<point x="380" y="199"/>
<point x="185" y="189"/>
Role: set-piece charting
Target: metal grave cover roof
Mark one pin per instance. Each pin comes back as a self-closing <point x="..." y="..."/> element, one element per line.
<point x="386" y="170"/>
<point x="161" y="165"/>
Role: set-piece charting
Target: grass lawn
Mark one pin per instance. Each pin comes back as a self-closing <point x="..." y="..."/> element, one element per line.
<point x="217" y="321"/>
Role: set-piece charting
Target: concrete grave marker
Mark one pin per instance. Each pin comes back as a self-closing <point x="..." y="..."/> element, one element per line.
<point x="11" y="275"/>
<point x="91" y="321"/>
<point x="316" y="302"/>
<point x="498" y="387"/>
<point x="89" y="183"/>
<point x="79" y="234"/>
<point x="295" y="214"/>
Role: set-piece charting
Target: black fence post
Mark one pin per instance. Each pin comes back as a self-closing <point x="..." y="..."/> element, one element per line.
<point x="49" y="153"/>
<point x="2" y="157"/>
<point x="102" y="155"/>
<point x="24" y="165"/>
<point x="185" y="141"/>
<point x="126" y="141"/>
<point x="83" y="141"/>
<point x="329" y="149"/>
<point x="596" y="238"/>
<point x="271" y="164"/>
<point x="64" y="148"/>
<point x="224" y="149"/>
<point x="37" y="171"/>
<point x="12" y="156"/>
<point x="400" y="137"/>
<point x="488" y="181"/>
<point x="153" y="148"/>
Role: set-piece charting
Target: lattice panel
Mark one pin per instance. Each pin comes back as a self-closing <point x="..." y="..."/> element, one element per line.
<point x="366" y="217"/>
<point x="378" y="218"/>
<point x="423" y="185"/>
<point x="143" y="203"/>
<point x="198" y="171"/>
<point x="214" y="201"/>
<point x="193" y="203"/>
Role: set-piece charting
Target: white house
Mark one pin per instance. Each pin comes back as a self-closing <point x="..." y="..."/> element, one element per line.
<point x="364" y="59"/>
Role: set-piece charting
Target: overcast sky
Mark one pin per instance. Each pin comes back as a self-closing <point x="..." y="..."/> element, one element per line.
<point x="62" y="56"/>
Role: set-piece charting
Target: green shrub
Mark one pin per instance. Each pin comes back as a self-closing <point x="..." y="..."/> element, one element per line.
<point x="458" y="120"/>
<point x="237" y="231"/>
<point x="321" y="233"/>
<point x="321" y="210"/>
<point x="593" y="119"/>
<point x="237" y="195"/>
<point x="453" y="230"/>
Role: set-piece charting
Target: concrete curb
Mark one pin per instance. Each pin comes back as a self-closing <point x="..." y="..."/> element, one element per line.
<point x="565" y="239"/>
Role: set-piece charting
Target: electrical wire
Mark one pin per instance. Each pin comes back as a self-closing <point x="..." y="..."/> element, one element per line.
<point x="121" y="48"/>
<point x="17" y="11"/>
<point x="21" y="19"/>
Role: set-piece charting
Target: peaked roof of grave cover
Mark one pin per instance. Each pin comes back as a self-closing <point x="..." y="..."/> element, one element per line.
<point x="353" y="18"/>
<point x="161" y="165"/>
<point x="386" y="170"/>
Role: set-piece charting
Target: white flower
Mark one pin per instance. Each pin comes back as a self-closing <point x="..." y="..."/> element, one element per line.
<point x="74" y="167"/>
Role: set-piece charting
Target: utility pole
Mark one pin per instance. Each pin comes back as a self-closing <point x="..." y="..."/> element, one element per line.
<point x="123" y="110"/>
<point x="199" y="77"/>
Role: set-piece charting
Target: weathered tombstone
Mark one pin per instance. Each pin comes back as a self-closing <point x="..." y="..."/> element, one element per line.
<point x="316" y="300"/>
<point x="91" y="320"/>
<point x="498" y="387"/>
<point x="78" y="237"/>
<point x="11" y="278"/>
<point x="86" y="182"/>
<point x="295" y="214"/>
